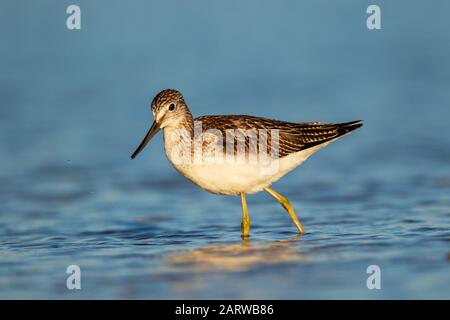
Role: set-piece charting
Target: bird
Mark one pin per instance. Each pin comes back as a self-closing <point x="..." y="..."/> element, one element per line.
<point x="236" y="155"/>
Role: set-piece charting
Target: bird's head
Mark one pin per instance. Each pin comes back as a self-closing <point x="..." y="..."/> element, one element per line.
<point x="169" y="111"/>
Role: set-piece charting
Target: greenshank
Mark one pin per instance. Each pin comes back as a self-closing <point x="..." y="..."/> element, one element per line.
<point x="236" y="154"/>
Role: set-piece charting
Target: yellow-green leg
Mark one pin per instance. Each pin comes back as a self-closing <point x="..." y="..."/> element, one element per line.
<point x="286" y="205"/>
<point x="245" y="225"/>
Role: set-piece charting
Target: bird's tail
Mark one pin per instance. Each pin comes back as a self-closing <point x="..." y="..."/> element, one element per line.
<point x="347" y="127"/>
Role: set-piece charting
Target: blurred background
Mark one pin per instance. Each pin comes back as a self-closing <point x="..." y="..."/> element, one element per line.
<point x="75" y="104"/>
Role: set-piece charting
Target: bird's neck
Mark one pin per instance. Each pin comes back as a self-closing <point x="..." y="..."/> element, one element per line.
<point x="178" y="139"/>
<point x="186" y="124"/>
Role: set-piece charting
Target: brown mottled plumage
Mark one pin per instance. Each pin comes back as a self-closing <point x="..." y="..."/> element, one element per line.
<point x="167" y="95"/>
<point x="293" y="136"/>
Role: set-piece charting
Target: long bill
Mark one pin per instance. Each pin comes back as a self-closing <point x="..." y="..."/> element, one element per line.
<point x="150" y="134"/>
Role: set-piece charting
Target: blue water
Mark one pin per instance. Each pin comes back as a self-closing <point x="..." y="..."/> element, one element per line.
<point x="75" y="104"/>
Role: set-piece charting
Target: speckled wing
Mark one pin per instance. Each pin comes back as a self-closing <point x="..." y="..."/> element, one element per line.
<point x="293" y="136"/>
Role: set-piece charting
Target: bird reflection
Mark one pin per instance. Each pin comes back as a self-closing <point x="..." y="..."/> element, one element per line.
<point x="237" y="256"/>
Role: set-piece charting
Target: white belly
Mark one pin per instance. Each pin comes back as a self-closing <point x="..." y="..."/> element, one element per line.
<point x="227" y="179"/>
<point x="233" y="179"/>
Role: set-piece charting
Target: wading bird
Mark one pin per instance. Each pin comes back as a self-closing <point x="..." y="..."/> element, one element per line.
<point x="258" y="151"/>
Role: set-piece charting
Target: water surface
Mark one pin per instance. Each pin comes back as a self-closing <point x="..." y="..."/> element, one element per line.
<point x="75" y="105"/>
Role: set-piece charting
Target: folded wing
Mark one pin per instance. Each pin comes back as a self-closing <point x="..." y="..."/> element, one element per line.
<point x="293" y="136"/>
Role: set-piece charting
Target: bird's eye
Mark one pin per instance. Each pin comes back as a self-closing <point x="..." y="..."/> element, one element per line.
<point x="171" y="107"/>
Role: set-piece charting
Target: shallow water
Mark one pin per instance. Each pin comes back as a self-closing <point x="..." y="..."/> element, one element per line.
<point x="75" y="105"/>
<point x="135" y="240"/>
